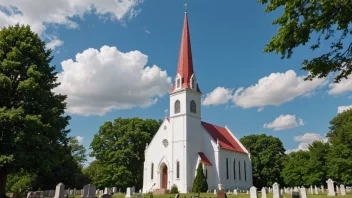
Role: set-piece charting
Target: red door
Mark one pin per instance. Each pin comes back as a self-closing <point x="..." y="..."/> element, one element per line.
<point x="164" y="178"/>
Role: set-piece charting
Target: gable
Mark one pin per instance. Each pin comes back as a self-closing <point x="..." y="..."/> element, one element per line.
<point x="221" y="134"/>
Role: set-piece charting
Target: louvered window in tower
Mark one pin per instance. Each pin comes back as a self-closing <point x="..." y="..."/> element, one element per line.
<point x="193" y="107"/>
<point x="177" y="106"/>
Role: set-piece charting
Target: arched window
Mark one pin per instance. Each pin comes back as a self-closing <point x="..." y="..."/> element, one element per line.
<point x="177" y="170"/>
<point x="234" y="169"/>
<point x="239" y="170"/>
<point x="152" y="173"/>
<point x="227" y="168"/>
<point x="177" y="106"/>
<point x="193" y="107"/>
<point x="245" y="171"/>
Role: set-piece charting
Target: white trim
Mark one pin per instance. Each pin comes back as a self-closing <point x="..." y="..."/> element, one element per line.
<point x="239" y="143"/>
<point x="178" y="77"/>
<point x="162" y="124"/>
<point x="195" y="82"/>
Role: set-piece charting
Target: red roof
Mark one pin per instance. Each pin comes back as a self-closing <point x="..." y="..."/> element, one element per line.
<point x="226" y="141"/>
<point x="204" y="159"/>
<point x="185" y="63"/>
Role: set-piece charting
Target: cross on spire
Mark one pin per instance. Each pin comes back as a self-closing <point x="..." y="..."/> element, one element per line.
<point x="186" y="6"/>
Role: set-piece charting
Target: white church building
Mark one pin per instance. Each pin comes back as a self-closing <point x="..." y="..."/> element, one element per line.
<point x="184" y="140"/>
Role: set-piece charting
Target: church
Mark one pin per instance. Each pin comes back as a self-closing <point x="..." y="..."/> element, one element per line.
<point x="184" y="140"/>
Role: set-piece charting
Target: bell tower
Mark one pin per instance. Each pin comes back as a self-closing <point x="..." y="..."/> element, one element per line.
<point x="185" y="114"/>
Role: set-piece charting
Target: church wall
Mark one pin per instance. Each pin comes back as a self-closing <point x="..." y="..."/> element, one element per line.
<point x="240" y="182"/>
<point x="210" y="150"/>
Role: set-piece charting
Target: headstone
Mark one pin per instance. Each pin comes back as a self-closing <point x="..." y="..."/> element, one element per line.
<point x="337" y="189"/>
<point x="106" y="191"/>
<point x="295" y="194"/>
<point x="291" y="191"/>
<point x="215" y="192"/>
<point x="91" y="191"/>
<point x="235" y="192"/>
<point x="276" y="190"/>
<point x="331" y="190"/>
<point x="133" y="189"/>
<point x="253" y="191"/>
<point x="221" y="194"/>
<point x="177" y="195"/>
<point x="220" y="186"/>
<point x="316" y="190"/>
<point x="128" y="193"/>
<point x="303" y="192"/>
<point x="311" y="189"/>
<point x="114" y="190"/>
<point x="295" y="189"/>
<point x="342" y="189"/>
<point x="60" y="191"/>
<point x="140" y="191"/>
<point x="85" y="191"/>
<point x="322" y="188"/>
<point x="263" y="193"/>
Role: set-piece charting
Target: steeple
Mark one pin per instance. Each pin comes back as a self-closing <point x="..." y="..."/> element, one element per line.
<point x="185" y="63"/>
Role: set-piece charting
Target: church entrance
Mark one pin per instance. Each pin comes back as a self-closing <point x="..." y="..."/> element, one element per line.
<point x="163" y="178"/>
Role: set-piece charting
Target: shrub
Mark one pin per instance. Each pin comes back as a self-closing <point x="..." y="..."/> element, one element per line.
<point x="174" y="189"/>
<point x="200" y="183"/>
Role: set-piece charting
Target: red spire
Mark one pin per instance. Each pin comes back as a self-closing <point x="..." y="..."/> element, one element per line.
<point x="185" y="63"/>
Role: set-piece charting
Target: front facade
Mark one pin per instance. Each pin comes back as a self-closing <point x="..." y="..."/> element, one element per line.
<point x="183" y="140"/>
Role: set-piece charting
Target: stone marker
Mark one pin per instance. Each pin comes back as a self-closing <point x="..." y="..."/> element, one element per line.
<point x="311" y="190"/>
<point x="316" y="190"/>
<point x="342" y="189"/>
<point x="253" y="191"/>
<point x="215" y="192"/>
<point x="235" y="192"/>
<point x="85" y="191"/>
<point x="128" y="193"/>
<point x="331" y="190"/>
<point x="91" y="191"/>
<point x="337" y="189"/>
<point x="263" y="193"/>
<point x="105" y="196"/>
<point x="303" y="192"/>
<point x="276" y="191"/>
<point x="220" y="186"/>
<point x="221" y="194"/>
<point x="60" y="191"/>
<point x="322" y="188"/>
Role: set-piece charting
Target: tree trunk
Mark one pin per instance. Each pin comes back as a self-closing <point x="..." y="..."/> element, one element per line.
<point x="3" y="177"/>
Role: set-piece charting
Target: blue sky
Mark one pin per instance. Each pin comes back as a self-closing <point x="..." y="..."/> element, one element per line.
<point x="119" y="59"/>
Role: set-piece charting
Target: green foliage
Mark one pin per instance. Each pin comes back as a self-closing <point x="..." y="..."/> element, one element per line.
<point x="119" y="149"/>
<point x="20" y="183"/>
<point x="174" y="189"/>
<point x="326" y="20"/>
<point x="340" y="155"/>
<point x="78" y="151"/>
<point x="200" y="183"/>
<point x="267" y="155"/>
<point x="32" y="116"/>
<point x="295" y="169"/>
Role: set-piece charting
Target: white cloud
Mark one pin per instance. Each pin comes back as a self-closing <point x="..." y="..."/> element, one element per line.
<point x="284" y="122"/>
<point x="345" y="85"/>
<point x="275" y="89"/>
<point x="219" y="95"/>
<point x="341" y="109"/>
<point x="305" y="140"/>
<point x="41" y="13"/>
<point x="54" y="43"/>
<point x="79" y="139"/>
<point x="100" y="81"/>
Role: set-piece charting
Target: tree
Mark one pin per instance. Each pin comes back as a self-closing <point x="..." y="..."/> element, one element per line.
<point x="267" y="155"/>
<point x="32" y="120"/>
<point x="200" y="183"/>
<point x="119" y="149"/>
<point x="302" y="20"/>
<point x="316" y="175"/>
<point x="339" y="160"/>
<point x="77" y="150"/>
<point x="296" y="170"/>
<point x="19" y="183"/>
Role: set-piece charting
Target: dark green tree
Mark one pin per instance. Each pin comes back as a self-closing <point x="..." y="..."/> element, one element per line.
<point x="32" y="120"/>
<point x="317" y="163"/>
<point x="296" y="170"/>
<point x="77" y="150"/>
<point x="339" y="160"/>
<point x="200" y="183"/>
<point x="327" y="20"/>
<point x="119" y="149"/>
<point x="267" y="155"/>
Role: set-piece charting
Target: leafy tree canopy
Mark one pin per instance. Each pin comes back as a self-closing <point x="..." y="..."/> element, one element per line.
<point x="119" y="149"/>
<point x="328" y="20"/>
<point x="32" y="120"/>
<point x="77" y="150"/>
<point x="267" y="155"/>
<point x="295" y="168"/>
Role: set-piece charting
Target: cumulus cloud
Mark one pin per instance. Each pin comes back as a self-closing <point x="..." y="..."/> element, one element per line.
<point x="99" y="81"/>
<point x="54" y="43"/>
<point x="341" y="109"/>
<point x="275" y="89"/>
<point x="41" y="13"/>
<point x="284" y="122"/>
<point x="345" y="85"/>
<point x="79" y="139"/>
<point x="305" y="140"/>
<point x="219" y="95"/>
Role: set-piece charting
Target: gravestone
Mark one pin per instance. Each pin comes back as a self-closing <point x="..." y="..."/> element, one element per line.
<point x="85" y="191"/>
<point x="342" y="189"/>
<point x="303" y="192"/>
<point x="91" y="191"/>
<point x="128" y="193"/>
<point x="220" y="186"/>
<point x="316" y="190"/>
<point x="263" y="193"/>
<point x="60" y="191"/>
<point x="311" y="190"/>
<point x="295" y="194"/>
<point x="295" y="189"/>
<point x="114" y="190"/>
<point x="337" y="189"/>
<point x="253" y="192"/>
<point x="276" y="191"/>
<point x="177" y="195"/>
<point x="235" y="192"/>
<point x="105" y="196"/>
<point x="215" y="192"/>
<point x="331" y="190"/>
<point x="221" y="194"/>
